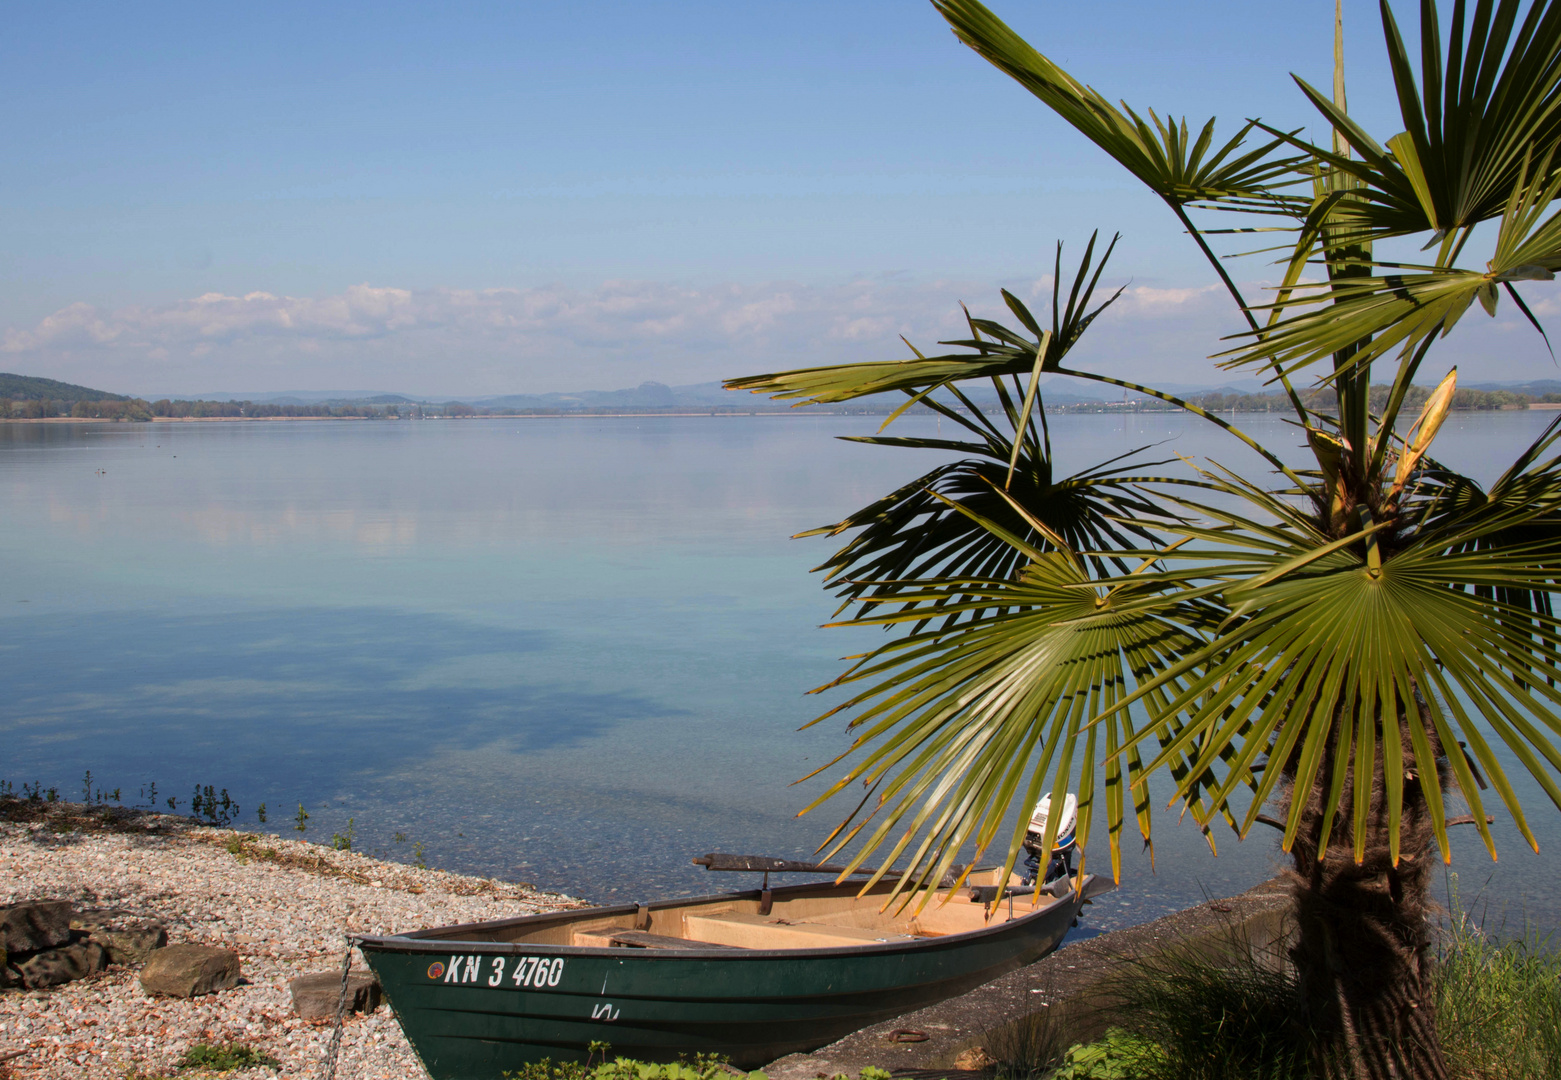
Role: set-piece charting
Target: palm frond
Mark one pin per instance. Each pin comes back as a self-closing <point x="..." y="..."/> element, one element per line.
<point x="913" y="533"/>
<point x="1398" y="311"/>
<point x="1165" y="154"/>
<point x="956" y="727"/>
<point x="1493" y="97"/>
<point x="1001" y="352"/>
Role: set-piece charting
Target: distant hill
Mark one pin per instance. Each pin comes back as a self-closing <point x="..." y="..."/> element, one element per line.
<point x="33" y="388"/>
<point x="296" y="397"/>
<point x="647" y="395"/>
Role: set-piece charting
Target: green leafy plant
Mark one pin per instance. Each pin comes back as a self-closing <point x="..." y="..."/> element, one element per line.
<point x="343" y="841"/>
<point x="218" y="808"/>
<point x="300" y="819"/>
<point x="1118" y="1055"/>
<point x="226" y="1058"/>
<point x="597" y="1066"/>
<point x="1345" y="642"/>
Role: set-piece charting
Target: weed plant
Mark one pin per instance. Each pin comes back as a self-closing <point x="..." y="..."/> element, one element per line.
<point x="598" y="1066"/>
<point x="225" y="1058"/>
<point x="1031" y="1049"/>
<point x="343" y="841"/>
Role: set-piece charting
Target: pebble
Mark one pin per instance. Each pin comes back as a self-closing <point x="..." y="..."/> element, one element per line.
<point x="286" y="914"/>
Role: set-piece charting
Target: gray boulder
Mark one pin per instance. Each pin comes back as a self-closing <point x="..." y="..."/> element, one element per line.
<point x="127" y="937"/>
<point x="315" y="996"/>
<point x="34" y="925"/>
<point x="51" y="967"/>
<point x="189" y="970"/>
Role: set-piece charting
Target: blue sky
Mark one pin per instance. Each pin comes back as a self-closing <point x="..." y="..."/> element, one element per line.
<point x="474" y="199"/>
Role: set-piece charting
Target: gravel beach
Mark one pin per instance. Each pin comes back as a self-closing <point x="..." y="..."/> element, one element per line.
<point x="284" y="905"/>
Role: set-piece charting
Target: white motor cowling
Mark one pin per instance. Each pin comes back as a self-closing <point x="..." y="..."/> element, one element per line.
<point x="1067" y="822"/>
<point x="1059" y="860"/>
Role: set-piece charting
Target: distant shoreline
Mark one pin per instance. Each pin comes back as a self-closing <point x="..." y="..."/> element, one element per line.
<point x="1536" y="406"/>
<point x="426" y="419"/>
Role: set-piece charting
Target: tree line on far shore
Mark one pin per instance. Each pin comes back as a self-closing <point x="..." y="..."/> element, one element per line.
<point x="1323" y="400"/>
<point x="137" y="409"/>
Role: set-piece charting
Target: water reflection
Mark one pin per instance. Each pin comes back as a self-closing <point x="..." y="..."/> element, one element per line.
<point x="566" y="651"/>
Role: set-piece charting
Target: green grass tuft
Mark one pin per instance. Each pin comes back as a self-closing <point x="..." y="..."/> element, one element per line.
<point x="1498" y="1005"/>
<point x="225" y="1058"/>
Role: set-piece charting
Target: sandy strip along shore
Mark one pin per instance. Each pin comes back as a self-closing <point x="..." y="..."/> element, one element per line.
<point x="284" y="905"/>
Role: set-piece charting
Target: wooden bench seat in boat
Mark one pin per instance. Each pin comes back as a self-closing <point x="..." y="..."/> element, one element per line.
<point x="640" y="939"/>
<point x="771" y="932"/>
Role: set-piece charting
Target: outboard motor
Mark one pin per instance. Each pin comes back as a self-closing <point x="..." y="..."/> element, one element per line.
<point x="1058" y="861"/>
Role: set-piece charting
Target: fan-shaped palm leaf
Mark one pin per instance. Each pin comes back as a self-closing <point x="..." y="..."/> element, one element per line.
<point x="918" y="531"/>
<point x="958" y="726"/>
<point x="1400" y="311"/>
<point x="1478" y="110"/>
<point x="1331" y="643"/>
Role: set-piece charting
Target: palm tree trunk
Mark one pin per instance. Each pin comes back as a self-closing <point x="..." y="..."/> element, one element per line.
<point x="1362" y="952"/>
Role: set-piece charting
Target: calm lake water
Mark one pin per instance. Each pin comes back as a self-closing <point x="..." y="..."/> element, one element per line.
<point x="571" y="652"/>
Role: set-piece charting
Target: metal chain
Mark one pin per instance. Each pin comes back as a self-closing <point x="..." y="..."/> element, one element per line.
<point x="341" y="1010"/>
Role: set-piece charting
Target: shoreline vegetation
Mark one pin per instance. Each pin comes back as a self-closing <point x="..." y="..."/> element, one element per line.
<point x="30" y="399"/>
<point x="219" y="412"/>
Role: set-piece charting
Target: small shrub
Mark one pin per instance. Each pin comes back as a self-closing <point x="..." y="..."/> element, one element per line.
<point x="1027" y="1050"/>
<point x="1226" y="1018"/>
<point x="1118" y="1056"/>
<point x="226" y="1058"/>
<point x="597" y="1067"/>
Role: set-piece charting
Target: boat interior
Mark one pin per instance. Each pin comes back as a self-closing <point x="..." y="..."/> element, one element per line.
<point x="814" y="916"/>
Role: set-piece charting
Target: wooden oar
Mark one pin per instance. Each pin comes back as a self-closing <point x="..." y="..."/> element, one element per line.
<point x="764" y="864"/>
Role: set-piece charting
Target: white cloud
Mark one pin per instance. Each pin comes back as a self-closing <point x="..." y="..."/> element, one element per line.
<point x="1145" y="298"/>
<point x="553" y="337"/>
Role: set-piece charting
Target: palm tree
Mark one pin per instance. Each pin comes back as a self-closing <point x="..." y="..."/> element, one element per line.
<point x="1345" y="642"/>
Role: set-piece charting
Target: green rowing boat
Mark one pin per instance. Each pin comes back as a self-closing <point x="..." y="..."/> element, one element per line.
<point x="751" y="975"/>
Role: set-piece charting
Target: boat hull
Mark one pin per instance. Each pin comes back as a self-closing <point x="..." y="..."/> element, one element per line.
<point x="474" y="1009"/>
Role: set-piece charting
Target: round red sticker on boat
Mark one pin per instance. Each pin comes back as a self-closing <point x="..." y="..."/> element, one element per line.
<point x="436" y="969"/>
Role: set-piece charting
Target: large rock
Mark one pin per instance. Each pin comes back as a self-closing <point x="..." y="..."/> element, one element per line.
<point x="51" y="967"/>
<point x="315" y="996"/>
<point x="9" y="976"/>
<point x="189" y="970"/>
<point x="127" y="937"/>
<point x="34" y="924"/>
